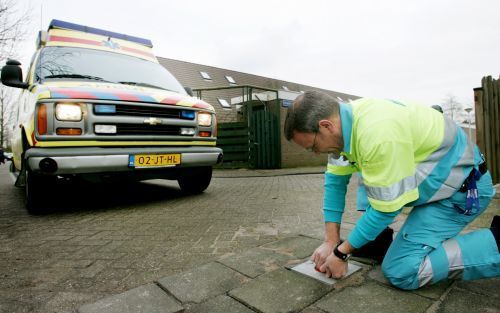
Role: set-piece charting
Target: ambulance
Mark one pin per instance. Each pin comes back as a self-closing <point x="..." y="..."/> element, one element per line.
<point x="98" y="105"/>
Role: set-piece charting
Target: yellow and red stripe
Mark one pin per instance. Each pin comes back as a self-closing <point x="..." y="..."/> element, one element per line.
<point x="68" y="38"/>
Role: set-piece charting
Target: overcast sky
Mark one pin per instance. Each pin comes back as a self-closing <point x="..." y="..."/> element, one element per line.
<point x="421" y="50"/>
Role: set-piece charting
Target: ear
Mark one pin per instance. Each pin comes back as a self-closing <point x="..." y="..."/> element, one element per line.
<point x="326" y="124"/>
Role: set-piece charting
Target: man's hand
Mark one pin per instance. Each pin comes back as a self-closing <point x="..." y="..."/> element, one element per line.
<point x="334" y="267"/>
<point x="322" y="253"/>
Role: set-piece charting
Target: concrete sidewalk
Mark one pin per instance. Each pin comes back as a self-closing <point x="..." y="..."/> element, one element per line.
<point x="259" y="280"/>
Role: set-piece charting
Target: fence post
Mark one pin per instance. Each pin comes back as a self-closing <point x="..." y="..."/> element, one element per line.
<point x="478" y="109"/>
<point x="488" y="124"/>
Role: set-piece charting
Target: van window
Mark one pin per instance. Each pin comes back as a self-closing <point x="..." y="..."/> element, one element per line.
<point x="88" y="64"/>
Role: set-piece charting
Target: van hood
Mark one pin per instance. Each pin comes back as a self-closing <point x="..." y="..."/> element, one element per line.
<point x="116" y="92"/>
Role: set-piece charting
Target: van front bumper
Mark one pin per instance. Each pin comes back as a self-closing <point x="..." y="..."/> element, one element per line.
<point x="87" y="160"/>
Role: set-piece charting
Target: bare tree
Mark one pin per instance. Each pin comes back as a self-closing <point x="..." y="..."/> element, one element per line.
<point x="13" y="29"/>
<point x="7" y="116"/>
<point x="453" y="108"/>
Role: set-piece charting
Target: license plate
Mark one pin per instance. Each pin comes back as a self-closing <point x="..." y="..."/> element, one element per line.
<point x="154" y="160"/>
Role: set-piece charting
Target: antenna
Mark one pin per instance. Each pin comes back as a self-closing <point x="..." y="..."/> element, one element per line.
<point x="40" y="61"/>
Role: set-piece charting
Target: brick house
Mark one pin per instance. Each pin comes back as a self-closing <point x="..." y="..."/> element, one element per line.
<point x="237" y="97"/>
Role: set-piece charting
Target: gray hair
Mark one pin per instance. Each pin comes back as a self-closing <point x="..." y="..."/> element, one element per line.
<point x="306" y="112"/>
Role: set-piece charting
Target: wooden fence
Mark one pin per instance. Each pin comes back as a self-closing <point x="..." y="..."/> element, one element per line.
<point x="232" y="138"/>
<point x="487" y="103"/>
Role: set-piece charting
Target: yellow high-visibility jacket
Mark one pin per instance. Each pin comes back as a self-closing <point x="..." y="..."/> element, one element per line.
<point x="407" y="153"/>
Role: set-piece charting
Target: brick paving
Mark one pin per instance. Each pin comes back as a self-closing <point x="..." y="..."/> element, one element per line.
<point x="104" y="242"/>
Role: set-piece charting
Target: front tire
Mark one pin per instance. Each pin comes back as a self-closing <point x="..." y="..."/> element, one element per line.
<point x="36" y="192"/>
<point x="195" y="180"/>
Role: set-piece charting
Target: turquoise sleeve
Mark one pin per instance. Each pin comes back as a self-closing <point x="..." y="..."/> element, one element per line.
<point x="334" y="197"/>
<point x="370" y="225"/>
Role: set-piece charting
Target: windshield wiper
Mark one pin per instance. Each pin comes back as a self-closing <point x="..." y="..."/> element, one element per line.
<point x="144" y="85"/>
<point x="76" y="76"/>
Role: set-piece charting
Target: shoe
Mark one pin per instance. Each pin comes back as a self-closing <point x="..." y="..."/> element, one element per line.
<point x="377" y="248"/>
<point x="495" y="229"/>
<point x="495" y="223"/>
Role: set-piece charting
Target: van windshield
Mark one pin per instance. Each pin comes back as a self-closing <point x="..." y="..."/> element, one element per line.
<point x="87" y="64"/>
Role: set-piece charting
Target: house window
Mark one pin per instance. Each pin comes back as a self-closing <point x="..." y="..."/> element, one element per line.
<point x="224" y="103"/>
<point x="230" y="80"/>
<point x="205" y="76"/>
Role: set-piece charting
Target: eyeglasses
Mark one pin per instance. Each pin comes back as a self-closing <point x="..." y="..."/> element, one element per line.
<point x="313" y="148"/>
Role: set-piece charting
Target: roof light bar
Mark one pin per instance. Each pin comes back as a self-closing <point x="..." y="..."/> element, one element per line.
<point x="97" y="31"/>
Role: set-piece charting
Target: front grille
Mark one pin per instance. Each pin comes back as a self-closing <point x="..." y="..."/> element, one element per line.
<point x="139" y="110"/>
<point x="139" y="129"/>
<point x="134" y="110"/>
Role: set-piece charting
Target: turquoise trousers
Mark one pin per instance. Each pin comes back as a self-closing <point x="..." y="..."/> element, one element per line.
<point x="429" y="249"/>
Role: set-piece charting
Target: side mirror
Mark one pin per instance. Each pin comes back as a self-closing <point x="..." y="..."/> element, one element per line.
<point x="189" y="91"/>
<point x="12" y="75"/>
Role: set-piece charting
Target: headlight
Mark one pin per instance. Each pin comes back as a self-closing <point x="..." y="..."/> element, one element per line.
<point x="189" y="131"/>
<point x="105" y="129"/>
<point x="69" y="112"/>
<point x="204" y="119"/>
